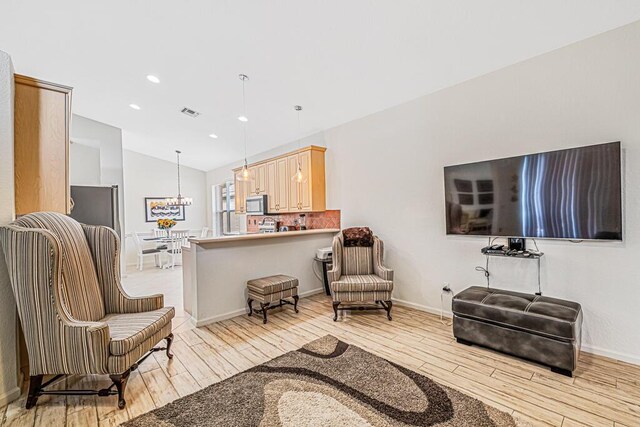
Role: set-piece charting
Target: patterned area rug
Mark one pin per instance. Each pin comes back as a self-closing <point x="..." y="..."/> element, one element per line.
<point x="326" y="383"/>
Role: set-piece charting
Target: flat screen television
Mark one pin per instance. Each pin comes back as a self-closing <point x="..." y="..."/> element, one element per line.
<point x="567" y="194"/>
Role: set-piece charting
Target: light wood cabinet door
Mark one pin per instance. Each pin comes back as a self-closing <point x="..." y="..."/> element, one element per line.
<point x="292" y="166"/>
<point x="257" y="185"/>
<point x="304" y="188"/>
<point x="41" y="146"/>
<point x="282" y="184"/>
<point x="241" y="194"/>
<point x="272" y="186"/>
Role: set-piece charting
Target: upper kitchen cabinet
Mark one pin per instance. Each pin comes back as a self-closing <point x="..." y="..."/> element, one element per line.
<point x="277" y="175"/>
<point x="242" y="189"/>
<point x="274" y="177"/>
<point x="41" y="150"/>
<point x="258" y="184"/>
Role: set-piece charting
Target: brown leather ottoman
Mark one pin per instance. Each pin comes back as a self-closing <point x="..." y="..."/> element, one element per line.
<point x="541" y="329"/>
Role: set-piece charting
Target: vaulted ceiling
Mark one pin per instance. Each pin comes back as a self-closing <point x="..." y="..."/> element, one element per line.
<point x="339" y="59"/>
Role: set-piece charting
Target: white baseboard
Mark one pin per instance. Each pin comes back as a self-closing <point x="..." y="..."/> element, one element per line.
<point x="432" y="310"/>
<point x="218" y="318"/>
<point x="624" y="357"/>
<point x="9" y="396"/>
<point x="241" y="311"/>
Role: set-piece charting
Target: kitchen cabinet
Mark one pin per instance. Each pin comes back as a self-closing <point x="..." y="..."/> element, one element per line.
<point x="281" y="187"/>
<point x="305" y="188"/>
<point x="241" y="194"/>
<point x="301" y="194"/>
<point x="293" y="187"/>
<point x="277" y="176"/>
<point x="284" y="195"/>
<point x="257" y="186"/>
<point x="41" y="146"/>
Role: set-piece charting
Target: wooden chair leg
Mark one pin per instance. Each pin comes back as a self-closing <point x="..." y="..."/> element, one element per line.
<point x="335" y="310"/>
<point x="295" y="303"/>
<point x="264" y="307"/>
<point x="120" y="381"/>
<point x="387" y="306"/>
<point x="250" y="303"/>
<point x="169" y="339"/>
<point x="35" y="381"/>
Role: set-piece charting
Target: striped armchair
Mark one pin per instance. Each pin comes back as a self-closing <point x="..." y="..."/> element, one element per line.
<point x="75" y="315"/>
<point x="358" y="277"/>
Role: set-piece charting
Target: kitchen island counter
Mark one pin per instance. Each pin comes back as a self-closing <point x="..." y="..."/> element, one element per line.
<point x="216" y="270"/>
<point x="254" y="236"/>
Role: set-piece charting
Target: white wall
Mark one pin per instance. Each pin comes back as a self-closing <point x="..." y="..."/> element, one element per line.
<point x="84" y="164"/>
<point x="586" y="93"/>
<point x="147" y="176"/>
<point x="9" y="389"/>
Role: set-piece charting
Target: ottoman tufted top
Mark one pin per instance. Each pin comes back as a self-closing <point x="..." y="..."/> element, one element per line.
<point x="539" y="315"/>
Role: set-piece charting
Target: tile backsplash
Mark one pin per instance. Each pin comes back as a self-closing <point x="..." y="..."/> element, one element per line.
<point x="315" y="220"/>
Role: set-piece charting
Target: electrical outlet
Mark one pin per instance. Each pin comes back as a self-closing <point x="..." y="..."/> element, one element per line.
<point x="446" y="288"/>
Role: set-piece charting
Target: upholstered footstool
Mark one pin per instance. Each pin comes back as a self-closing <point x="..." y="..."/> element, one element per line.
<point x="542" y="329"/>
<point x="267" y="291"/>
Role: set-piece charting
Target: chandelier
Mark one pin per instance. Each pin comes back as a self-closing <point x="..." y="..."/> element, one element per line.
<point x="180" y="200"/>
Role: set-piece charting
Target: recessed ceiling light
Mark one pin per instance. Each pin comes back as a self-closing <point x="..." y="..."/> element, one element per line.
<point x="153" y="79"/>
<point x="213" y="135"/>
<point x="243" y="119"/>
<point x="134" y="106"/>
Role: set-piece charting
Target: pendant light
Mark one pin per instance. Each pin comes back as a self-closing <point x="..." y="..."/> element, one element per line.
<point x="244" y="175"/>
<point x="180" y="200"/>
<point x="298" y="177"/>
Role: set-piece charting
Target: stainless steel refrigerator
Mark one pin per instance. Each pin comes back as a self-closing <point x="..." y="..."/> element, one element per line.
<point x="96" y="206"/>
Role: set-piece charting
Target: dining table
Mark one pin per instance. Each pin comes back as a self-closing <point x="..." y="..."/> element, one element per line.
<point x="163" y="239"/>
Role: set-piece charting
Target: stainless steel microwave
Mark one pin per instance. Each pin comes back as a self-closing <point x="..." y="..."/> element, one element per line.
<point x="257" y="205"/>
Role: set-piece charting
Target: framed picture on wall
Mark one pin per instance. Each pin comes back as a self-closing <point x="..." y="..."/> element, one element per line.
<point x="156" y="208"/>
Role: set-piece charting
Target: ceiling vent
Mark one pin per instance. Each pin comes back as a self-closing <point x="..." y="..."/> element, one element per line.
<point x="189" y="112"/>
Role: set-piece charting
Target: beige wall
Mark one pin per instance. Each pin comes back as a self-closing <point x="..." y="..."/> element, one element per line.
<point x="8" y="365"/>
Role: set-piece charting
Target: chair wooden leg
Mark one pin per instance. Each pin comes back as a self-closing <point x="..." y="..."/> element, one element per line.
<point x="35" y="381"/>
<point x="120" y="381"/>
<point x="169" y="339"/>
<point x="387" y="306"/>
<point x="335" y="310"/>
<point x="295" y="303"/>
<point x="250" y="303"/>
<point x="264" y="307"/>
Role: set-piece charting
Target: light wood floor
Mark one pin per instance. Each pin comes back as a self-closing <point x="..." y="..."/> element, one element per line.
<point x="604" y="392"/>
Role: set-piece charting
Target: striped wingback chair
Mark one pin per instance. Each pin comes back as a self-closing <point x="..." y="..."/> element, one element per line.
<point x="358" y="277"/>
<point x="75" y="315"/>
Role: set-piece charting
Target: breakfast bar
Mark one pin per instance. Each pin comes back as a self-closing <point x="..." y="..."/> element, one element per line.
<point x="216" y="270"/>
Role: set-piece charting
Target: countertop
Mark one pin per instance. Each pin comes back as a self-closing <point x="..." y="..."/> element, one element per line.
<point x="256" y="236"/>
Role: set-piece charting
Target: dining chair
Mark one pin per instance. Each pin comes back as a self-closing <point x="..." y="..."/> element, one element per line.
<point x="160" y="233"/>
<point x="177" y="239"/>
<point x="142" y="252"/>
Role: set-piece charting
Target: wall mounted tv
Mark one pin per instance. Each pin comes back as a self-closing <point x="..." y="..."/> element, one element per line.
<point x="565" y="194"/>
